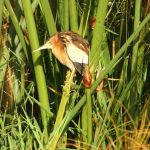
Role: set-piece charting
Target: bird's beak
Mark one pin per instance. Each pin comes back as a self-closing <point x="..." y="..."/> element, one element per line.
<point x="47" y="45"/>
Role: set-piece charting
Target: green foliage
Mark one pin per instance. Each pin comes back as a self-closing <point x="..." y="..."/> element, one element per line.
<point x="41" y="108"/>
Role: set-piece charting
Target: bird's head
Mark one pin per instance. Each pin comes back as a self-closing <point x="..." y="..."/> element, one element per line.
<point x="50" y="44"/>
<point x="47" y="45"/>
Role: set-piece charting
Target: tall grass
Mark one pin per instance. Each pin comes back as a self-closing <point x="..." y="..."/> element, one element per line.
<point x="40" y="109"/>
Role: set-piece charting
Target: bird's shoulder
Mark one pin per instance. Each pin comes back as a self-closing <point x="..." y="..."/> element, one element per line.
<point x="75" y="39"/>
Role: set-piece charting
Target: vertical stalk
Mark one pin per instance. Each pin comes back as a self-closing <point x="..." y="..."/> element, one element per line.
<point x="73" y="15"/>
<point x="135" y="48"/>
<point x="1" y="14"/>
<point x="48" y="16"/>
<point x="3" y="63"/>
<point x="61" y="10"/>
<point x="134" y="98"/>
<point x="142" y="64"/>
<point x="84" y="122"/>
<point x="89" y="116"/>
<point x="98" y="33"/>
<point x="66" y="15"/>
<point x="39" y="73"/>
<point x="122" y="24"/>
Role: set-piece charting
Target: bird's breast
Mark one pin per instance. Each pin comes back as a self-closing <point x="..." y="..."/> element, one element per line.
<point x="60" y="54"/>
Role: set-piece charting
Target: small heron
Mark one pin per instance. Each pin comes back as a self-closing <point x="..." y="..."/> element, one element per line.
<point x="70" y="49"/>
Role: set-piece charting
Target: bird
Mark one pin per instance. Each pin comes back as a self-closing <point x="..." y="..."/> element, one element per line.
<point x="71" y="49"/>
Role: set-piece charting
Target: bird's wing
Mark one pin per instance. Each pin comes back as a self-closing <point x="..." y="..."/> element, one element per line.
<point x="80" y="42"/>
<point x="77" y="56"/>
<point x="76" y="39"/>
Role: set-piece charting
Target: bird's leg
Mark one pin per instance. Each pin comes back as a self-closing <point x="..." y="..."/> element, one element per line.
<point x="72" y="75"/>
